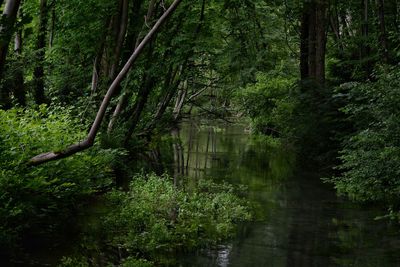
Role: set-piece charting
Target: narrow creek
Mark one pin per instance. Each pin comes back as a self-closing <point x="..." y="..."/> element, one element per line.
<point x="300" y="220"/>
<point x="303" y="222"/>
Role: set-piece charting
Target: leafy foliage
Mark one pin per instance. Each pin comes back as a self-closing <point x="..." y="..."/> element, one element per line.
<point x="371" y="155"/>
<point x="33" y="196"/>
<point x="154" y="216"/>
<point x="269" y="103"/>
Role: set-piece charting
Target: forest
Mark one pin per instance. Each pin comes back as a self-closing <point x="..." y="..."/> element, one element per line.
<point x="171" y="132"/>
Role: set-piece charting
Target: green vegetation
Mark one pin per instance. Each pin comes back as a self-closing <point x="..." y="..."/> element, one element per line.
<point x="370" y="155"/>
<point x="36" y="200"/>
<point x="269" y="103"/>
<point x="154" y="219"/>
<point x="90" y="89"/>
<point x="154" y="216"/>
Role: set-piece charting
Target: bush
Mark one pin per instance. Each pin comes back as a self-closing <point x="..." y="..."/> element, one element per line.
<point x="155" y="217"/>
<point x="36" y="198"/>
<point x="268" y="103"/>
<point x="303" y="114"/>
<point x="371" y="154"/>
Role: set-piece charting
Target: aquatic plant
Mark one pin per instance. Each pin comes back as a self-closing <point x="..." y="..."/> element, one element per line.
<point x="155" y="217"/>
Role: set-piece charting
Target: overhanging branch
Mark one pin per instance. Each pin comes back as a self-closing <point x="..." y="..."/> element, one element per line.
<point x="89" y="141"/>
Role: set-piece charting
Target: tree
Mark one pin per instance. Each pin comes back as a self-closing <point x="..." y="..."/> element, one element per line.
<point x="6" y="31"/>
<point x="89" y="141"/>
<point x="41" y="51"/>
<point x="313" y="40"/>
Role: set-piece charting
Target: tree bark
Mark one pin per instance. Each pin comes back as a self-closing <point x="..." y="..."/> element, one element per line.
<point x="134" y="26"/>
<point x="140" y="103"/>
<point x="320" y="46"/>
<point x="171" y="85"/>
<point x="173" y="80"/>
<point x="6" y="30"/>
<point x="120" y="34"/>
<point x="364" y="28"/>
<point x="383" y="35"/>
<point x="89" y="141"/>
<point x="123" y="100"/>
<point x="53" y="25"/>
<point x="304" y="41"/>
<point x="180" y="100"/>
<point x="18" y="89"/>
<point x="313" y="41"/>
<point x="38" y="72"/>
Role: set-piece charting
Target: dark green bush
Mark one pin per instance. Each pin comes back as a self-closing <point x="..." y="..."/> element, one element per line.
<point x="268" y="103"/>
<point x="37" y="198"/>
<point x="155" y="217"/>
<point x="371" y="154"/>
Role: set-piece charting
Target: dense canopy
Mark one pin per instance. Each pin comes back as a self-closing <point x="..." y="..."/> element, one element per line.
<point x="89" y="88"/>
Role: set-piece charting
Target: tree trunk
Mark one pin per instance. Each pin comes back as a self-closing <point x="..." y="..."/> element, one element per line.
<point x="120" y="34"/>
<point x="304" y="41"/>
<point x="89" y="141"/>
<point x="383" y="35"/>
<point x="6" y="31"/>
<point x="140" y="103"/>
<point x="365" y="49"/>
<point x="364" y="28"/>
<point x="173" y="80"/>
<point x="320" y="46"/>
<point x="18" y="88"/>
<point x="123" y="100"/>
<point x="53" y="26"/>
<point x="171" y="85"/>
<point x="133" y="29"/>
<point x="313" y="41"/>
<point x="38" y="72"/>
<point x="180" y="100"/>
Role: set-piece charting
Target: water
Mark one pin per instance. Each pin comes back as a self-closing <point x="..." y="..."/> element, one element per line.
<point x="302" y="221"/>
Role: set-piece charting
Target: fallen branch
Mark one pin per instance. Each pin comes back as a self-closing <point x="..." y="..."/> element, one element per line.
<point x="89" y="141"/>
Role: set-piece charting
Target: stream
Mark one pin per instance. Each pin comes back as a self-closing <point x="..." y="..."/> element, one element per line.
<point x="302" y="222"/>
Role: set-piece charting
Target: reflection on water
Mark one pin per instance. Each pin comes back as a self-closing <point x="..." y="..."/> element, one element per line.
<point x="303" y="222"/>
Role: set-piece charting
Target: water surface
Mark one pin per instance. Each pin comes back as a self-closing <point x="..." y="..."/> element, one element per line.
<point x="303" y="222"/>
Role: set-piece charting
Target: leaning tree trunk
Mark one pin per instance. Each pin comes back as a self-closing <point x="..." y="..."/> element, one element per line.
<point x="38" y="72"/>
<point x="124" y="98"/>
<point x="89" y="141"/>
<point x="140" y="103"/>
<point x="172" y="81"/>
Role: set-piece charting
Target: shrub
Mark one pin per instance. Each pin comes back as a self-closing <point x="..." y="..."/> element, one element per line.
<point x="268" y="103"/>
<point x="36" y="198"/>
<point x="155" y="217"/>
<point x="371" y="154"/>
